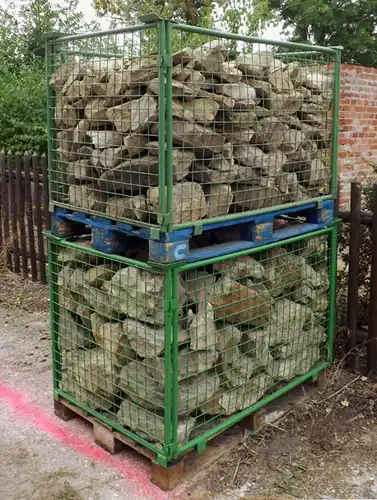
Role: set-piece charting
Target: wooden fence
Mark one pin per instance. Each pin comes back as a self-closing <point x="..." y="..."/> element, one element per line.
<point x="23" y="214"/>
<point x="357" y="218"/>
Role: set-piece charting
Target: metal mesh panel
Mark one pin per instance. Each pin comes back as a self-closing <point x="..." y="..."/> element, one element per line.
<point x="107" y="318"/>
<point x="171" y="355"/>
<point x="209" y="127"/>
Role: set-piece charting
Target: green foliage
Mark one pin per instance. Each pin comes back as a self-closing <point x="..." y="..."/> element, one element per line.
<point x="22" y="74"/>
<point x="349" y="23"/>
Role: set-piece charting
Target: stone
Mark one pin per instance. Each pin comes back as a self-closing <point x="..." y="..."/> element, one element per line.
<point x="217" y="170"/>
<point x="102" y="139"/>
<point x="131" y="175"/>
<point x="286" y="369"/>
<point x="228" y="338"/>
<point x="196" y="110"/>
<point x="248" y="154"/>
<point x="198" y="285"/>
<point x="81" y="170"/>
<point x="244" y="95"/>
<point x="61" y="74"/>
<point x="282" y="270"/>
<point x="66" y="255"/>
<point x="234" y="135"/>
<point x="117" y="83"/>
<point x="87" y="197"/>
<point x="111" y="157"/>
<point x="269" y="132"/>
<point x="144" y="383"/>
<point x="255" y="64"/>
<point x="72" y="336"/>
<point x="140" y="70"/>
<point x="91" y="85"/>
<point x="209" y="57"/>
<point x="236" y="303"/>
<point x="284" y="103"/>
<point x="219" y="198"/>
<point x="127" y="207"/>
<point x="79" y="393"/>
<point x="65" y="115"/>
<point x="101" y="303"/>
<point x="97" y="275"/>
<point x="245" y="396"/>
<point x="96" y="321"/>
<point x="193" y="362"/>
<point x="149" y="425"/>
<point x="80" y="134"/>
<point x="202" y="328"/>
<point x="239" y="370"/>
<point x="134" y="116"/>
<point x="315" y="173"/>
<point x="73" y="92"/>
<point x="188" y="202"/>
<point x="135" y="144"/>
<point x="318" y="120"/>
<point x="114" y="342"/>
<point x="229" y="73"/>
<point x="250" y="197"/>
<point x="280" y="81"/>
<point x="262" y="88"/>
<point x="195" y="136"/>
<point x="95" y="111"/>
<point x="178" y="89"/>
<point x="314" y="336"/>
<point x="139" y="294"/>
<point x="241" y="267"/>
<point x="223" y="101"/>
<point x="292" y="140"/>
<point x="93" y="371"/>
<point x="288" y="320"/>
<point x="242" y="118"/>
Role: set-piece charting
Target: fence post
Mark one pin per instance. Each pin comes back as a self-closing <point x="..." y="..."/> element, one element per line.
<point x="372" y="322"/>
<point x="353" y="273"/>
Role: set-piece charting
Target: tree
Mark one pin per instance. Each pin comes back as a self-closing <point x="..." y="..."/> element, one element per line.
<point x="351" y="24"/>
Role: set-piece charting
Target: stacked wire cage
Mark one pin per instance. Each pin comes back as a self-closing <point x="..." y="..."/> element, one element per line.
<point x="175" y="155"/>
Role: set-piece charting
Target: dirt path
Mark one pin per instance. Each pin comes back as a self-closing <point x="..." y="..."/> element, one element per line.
<point x="325" y="448"/>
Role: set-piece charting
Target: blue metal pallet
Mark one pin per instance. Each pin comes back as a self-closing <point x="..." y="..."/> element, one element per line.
<point x="117" y="237"/>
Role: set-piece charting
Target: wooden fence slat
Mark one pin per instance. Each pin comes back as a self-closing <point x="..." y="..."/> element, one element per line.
<point x="6" y="212"/>
<point x="13" y="214"/>
<point x="372" y="320"/>
<point x="38" y="220"/>
<point x="353" y="274"/>
<point x="29" y="219"/>
<point x="20" y="198"/>
<point x="46" y="199"/>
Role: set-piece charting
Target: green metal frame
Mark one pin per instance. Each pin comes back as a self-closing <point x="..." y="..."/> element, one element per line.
<point x="171" y="449"/>
<point x="165" y="30"/>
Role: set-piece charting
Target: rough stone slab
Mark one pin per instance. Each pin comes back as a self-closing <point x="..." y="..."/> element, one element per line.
<point x="60" y="76"/>
<point x="315" y="173"/>
<point x="202" y="328"/>
<point x="65" y="115"/>
<point x="67" y="255"/>
<point x="196" y="136"/>
<point x="219" y="198"/>
<point x="134" y="116"/>
<point x="282" y="270"/>
<point x="248" y="154"/>
<point x="255" y="64"/>
<point x="188" y="204"/>
<point x="269" y="131"/>
<point x="111" y="157"/>
<point x="198" y="285"/>
<point x="73" y="92"/>
<point x="242" y="118"/>
<point x="135" y="144"/>
<point x="241" y="267"/>
<point x="223" y="101"/>
<point x="218" y="170"/>
<point x="79" y="393"/>
<point x="128" y="207"/>
<point x="228" y="338"/>
<point x="236" y="303"/>
<point x="93" y="371"/>
<point x="244" y="95"/>
<point x="209" y="57"/>
<point x="131" y="175"/>
<point x="96" y="275"/>
<point x="233" y="134"/>
<point x="280" y="81"/>
<point x="71" y="334"/>
<point x="286" y="369"/>
<point x="196" y="110"/>
<point x="178" y="89"/>
<point x="292" y="140"/>
<point x="81" y="170"/>
<point x="254" y="197"/>
<point x="87" y="197"/>
<point x="95" y="110"/>
<point x="284" y="103"/>
<point x="101" y="302"/>
<point x="140" y="70"/>
<point x="149" y="425"/>
<point x="80" y="134"/>
<point x="114" y="342"/>
<point x="102" y="139"/>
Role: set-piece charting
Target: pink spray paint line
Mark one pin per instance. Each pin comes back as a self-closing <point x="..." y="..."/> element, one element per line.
<point x="25" y="410"/>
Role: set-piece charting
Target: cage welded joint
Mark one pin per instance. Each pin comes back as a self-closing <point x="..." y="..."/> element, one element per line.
<point x="209" y="127"/>
<point x="170" y="356"/>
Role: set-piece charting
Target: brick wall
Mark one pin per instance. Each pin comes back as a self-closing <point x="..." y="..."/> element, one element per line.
<point x="357" y="126"/>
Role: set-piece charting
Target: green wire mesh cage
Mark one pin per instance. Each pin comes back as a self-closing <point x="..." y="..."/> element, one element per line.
<point x="167" y="125"/>
<point x="171" y="357"/>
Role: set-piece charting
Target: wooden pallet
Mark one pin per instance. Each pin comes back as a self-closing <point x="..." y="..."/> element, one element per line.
<point x="167" y="478"/>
